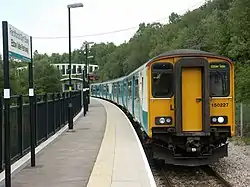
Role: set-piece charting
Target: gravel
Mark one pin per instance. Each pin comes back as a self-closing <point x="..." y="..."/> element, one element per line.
<point x="235" y="169"/>
<point x="187" y="176"/>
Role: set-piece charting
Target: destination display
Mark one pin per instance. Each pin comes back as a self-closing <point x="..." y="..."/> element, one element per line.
<point x="218" y="66"/>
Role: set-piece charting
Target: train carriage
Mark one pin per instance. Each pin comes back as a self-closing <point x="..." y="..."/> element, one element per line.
<point x="184" y="102"/>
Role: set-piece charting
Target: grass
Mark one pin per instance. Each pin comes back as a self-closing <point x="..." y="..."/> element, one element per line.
<point x="240" y="140"/>
<point x="246" y="140"/>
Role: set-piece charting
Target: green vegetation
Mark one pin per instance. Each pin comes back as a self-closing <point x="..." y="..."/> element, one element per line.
<point x="245" y="140"/>
<point x="219" y="26"/>
<point x="46" y="77"/>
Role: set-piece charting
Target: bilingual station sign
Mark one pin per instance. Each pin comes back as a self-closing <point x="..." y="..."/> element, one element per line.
<point x="19" y="44"/>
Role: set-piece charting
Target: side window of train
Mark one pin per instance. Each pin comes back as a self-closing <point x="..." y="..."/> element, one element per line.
<point x="125" y="87"/>
<point x="119" y="89"/>
<point x="162" y="80"/>
<point x="136" y="88"/>
<point x="129" y="88"/>
<point x="219" y="79"/>
<point x="142" y="88"/>
<point x="114" y="90"/>
<point x="106" y="89"/>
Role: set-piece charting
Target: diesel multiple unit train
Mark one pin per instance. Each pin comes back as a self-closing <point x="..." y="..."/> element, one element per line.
<point x="183" y="101"/>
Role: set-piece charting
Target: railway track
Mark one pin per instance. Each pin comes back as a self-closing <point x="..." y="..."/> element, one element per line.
<point x="210" y="171"/>
<point x="171" y="176"/>
<point x="167" y="181"/>
<point x="159" y="171"/>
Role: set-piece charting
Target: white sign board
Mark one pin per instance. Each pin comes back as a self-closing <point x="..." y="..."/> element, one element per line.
<point x="19" y="44"/>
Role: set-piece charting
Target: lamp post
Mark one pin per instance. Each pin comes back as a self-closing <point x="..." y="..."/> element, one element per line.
<point x="75" y="5"/>
<point x="84" y="93"/>
<point x="89" y="57"/>
<point x="87" y="67"/>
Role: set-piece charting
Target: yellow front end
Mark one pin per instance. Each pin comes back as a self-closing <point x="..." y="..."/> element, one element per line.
<point x="159" y="106"/>
<point x="224" y="106"/>
<point x="192" y="98"/>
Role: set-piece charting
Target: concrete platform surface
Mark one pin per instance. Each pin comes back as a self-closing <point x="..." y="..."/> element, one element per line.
<point x="121" y="160"/>
<point x="68" y="161"/>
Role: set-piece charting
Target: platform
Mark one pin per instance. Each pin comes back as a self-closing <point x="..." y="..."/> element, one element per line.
<point x="68" y="161"/>
<point x="102" y="151"/>
<point x="121" y="161"/>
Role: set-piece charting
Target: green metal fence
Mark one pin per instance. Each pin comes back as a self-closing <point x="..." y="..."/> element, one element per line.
<point x="242" y="119"/>
<point x="51" y="114"/>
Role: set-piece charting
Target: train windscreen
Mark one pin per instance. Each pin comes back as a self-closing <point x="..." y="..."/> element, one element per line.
<point x="162" y="80"/>
<point x="219" y="79"/>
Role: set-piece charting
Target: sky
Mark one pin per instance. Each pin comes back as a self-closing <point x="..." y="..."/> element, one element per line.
<point x="46" y="20"/>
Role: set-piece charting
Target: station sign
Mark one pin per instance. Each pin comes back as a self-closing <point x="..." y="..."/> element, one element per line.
<point x="19" y="44"/>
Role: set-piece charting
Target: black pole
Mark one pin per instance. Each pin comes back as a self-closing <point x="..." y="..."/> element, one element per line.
<point x="6" y="105"/>
<point x="83" y="79"/>
<point x="87" y="73"/>
<point x="69" y="52"/>
<point x="31" y="100"/>
<point x="70" y="119"/>
<point x="86" y="60"/>
<point x="84" y="93"/>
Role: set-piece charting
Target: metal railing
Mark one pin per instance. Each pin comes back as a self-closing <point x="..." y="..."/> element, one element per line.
<point x="242" y="119"/>
<point x="51" y="114"/>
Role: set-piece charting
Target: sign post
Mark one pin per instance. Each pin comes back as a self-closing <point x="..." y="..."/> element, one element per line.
<point x="6" y="105"/>
<point x="17" y="45"/>
<point x="32" y="115"/>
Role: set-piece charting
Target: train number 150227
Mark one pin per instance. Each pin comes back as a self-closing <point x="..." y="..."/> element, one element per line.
<point x="219" y="104"/>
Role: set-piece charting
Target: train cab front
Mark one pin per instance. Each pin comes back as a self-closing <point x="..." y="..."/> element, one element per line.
<point x="191" y="108"/>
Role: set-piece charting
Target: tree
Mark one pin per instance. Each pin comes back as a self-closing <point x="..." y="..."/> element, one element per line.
<point x="46" y="77"/>
<point x="240" y="28"/>
<point x="174" y="18"/>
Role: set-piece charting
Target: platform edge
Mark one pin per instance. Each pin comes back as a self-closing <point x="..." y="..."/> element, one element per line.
<point x="146" y="164"/>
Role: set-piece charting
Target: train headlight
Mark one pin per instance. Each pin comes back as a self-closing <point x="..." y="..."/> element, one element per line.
<point x="214" y="119"/>
<point x="219" y="120"/>
<point x="163" y="120"/>
<point x="168" y="120"/>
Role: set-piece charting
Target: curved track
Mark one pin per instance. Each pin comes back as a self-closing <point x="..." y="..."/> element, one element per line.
<point x="210" y="171"/>
<point x="171" y="176"/>
<point x="160" y="172"/>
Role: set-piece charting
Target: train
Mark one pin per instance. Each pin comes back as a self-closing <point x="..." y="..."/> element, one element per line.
<point x="182" y="102"/>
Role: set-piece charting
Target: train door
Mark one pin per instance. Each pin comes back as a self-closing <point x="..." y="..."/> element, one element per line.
<point x="141" y="98"/>
<point x="118" y="92"/>
<point x="122" y="92"/>
<point x="126" y="92"/>
<point x="110" y="87"/>
<point x="192" y="95"/>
